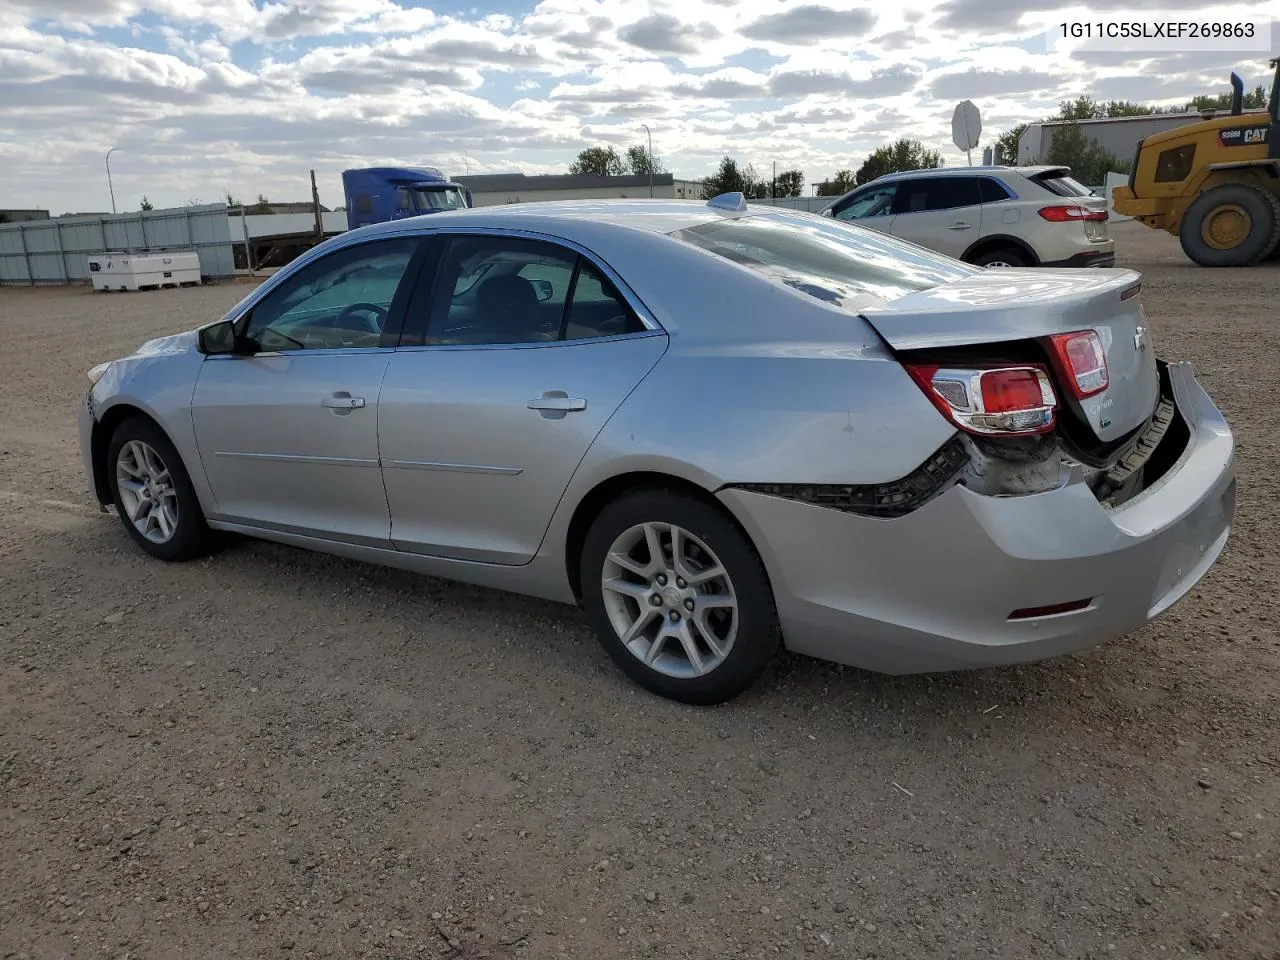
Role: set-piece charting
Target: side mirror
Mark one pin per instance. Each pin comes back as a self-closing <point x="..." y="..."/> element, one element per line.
<point x="826" y="212"/>
<point x="219" y="338"/>
<point x="543" y="289"/>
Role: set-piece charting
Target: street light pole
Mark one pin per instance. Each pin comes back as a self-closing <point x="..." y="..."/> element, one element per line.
<point x="109" y="186"/>
<point x="646" y="130"/>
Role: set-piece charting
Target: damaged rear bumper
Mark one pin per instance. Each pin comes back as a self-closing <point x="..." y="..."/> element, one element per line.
<point x="935" y="589"/>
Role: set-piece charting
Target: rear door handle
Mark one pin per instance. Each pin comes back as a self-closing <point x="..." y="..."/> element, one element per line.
<point x="554" y="402"/>
<point x="558" y="403"/>
<point x="958" y="226"/>
<point x="342" y="402"/>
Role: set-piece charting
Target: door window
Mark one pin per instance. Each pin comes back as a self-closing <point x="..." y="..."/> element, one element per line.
<point x="508" y="290"/>
<point x="935" y="193"/>
<point x="342" y="300"/>
<point x="874" y="202"/>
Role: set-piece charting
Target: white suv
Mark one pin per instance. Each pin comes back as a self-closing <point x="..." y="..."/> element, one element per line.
<point x="988" y="216"/>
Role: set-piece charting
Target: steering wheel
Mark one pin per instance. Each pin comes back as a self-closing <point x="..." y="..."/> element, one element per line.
<point x="373" y="324"/>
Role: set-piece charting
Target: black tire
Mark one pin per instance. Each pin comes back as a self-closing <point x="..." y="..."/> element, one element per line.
<point x="1264" y="212"/>
<point x="757" y="639"/>
<point x="191" y="536"/>
<point x="1006" y="256"/>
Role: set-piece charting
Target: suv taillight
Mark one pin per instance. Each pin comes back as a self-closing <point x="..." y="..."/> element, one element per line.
<point x="1063" y="213"/>
<point x="1082" y="362"/>
<point x="1001" y="401"/>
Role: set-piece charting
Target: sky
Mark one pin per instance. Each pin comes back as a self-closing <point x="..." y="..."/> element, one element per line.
<point x="199" y="98"/>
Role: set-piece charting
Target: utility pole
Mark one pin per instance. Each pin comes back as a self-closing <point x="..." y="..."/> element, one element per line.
<point x="646" y="130"/>
<point x="315" y="200"/>
<point x="773" y="190"/>
<point x="109" y="185"/>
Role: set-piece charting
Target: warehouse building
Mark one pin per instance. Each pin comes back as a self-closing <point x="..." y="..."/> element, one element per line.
<point x="1117" y="135"/>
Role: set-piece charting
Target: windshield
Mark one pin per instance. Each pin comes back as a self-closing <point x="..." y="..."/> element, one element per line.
<point x="429" y="199"/>
<point x="832" y="261"/>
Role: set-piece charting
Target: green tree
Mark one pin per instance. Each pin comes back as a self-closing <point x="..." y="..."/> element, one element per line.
<point x="1008" y="143"/>
<point x="4" y="218"/>
<point x="146" y="204"/>
<point x="1089" y="162"/>
<point x="902" y="154"/>
<point x="730" y="178"/>
<point x="1255" y="99"/>
<point x="790" y="183"/>
<point x="262" y="206"/>
<point x="638" y="161"/>
<point x="844" y="181"/>
<point x="602" y="161"/>
<point x="232" y="201"/>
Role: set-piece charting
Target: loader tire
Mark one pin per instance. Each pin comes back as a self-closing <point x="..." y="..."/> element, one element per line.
<point x="1232" y="225"/>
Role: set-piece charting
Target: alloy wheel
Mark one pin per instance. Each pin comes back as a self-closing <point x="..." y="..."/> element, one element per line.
<point x="670" y="600"/>
<point x="146" y="491"/>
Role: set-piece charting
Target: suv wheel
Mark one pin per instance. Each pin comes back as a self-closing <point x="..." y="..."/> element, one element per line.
<point x="1000" y="257"/>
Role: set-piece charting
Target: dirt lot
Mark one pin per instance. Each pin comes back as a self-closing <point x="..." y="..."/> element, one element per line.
<point x="277" y="754"/>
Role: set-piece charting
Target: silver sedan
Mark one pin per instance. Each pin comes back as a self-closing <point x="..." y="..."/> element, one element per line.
<point x="721" y="429"/>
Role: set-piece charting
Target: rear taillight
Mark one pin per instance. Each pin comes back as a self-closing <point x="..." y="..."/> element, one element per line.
<point x="1063" y="213"/>
<point x="1082" y="361"/>
<point x="1001" y="401"/>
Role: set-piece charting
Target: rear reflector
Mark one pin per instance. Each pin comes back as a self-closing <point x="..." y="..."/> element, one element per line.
<point x="1082" y="362"/>
<point x="1031" y="613"/>
<point x="1064" y="213"/>
<point x="1001" y="401"/>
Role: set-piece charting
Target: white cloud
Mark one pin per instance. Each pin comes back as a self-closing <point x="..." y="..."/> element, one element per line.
<point x="224" y="94"/>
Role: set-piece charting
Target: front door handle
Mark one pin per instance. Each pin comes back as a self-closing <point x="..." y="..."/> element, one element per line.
<point x="342" y="403"/>
<point x="554" y="404"/>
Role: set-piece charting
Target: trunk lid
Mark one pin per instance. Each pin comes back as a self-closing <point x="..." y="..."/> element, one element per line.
<point x="1002" y="306"/>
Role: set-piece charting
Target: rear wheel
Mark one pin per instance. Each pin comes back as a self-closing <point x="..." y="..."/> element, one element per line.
<point x="1001" y="257"/>
<point x="153" y="493"/>
<point x="678" y="597"/>
<point x="1232" y="225"/>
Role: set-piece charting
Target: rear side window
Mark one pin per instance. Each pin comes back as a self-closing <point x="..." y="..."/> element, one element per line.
<point x="1063" y="185"/>
<point x="1174" y="166"/>
<point x="935" y="193"/>
<point x="829" y="260"/>
<point x="993" y="191"/>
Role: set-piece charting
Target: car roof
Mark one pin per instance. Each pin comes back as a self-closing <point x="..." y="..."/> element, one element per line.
<point x="1028" y="171"/>
<point x="561" y="216"/>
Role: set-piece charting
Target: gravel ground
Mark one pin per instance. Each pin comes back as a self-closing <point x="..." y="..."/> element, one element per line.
<point x="277" y="754"/>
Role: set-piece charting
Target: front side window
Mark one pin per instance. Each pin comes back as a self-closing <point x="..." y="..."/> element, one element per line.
<point x="836" y="262"/>
<point x="508" y="290"/>
<point x="928" y="194"/>
<point x="340" y="300"/>
<point x="874" y="202"/>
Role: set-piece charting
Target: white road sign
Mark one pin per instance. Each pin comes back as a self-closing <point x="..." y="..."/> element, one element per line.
<point x="966" y="126"/>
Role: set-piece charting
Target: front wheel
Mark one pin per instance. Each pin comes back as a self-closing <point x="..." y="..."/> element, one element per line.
<point x="678" y="597"/>
<point x="153" y="493"/>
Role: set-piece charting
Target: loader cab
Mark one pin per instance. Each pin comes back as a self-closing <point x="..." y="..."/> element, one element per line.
<point x="379" y="194"/>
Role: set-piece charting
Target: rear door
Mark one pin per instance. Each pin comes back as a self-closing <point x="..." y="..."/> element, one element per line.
<point x="514" y="357"/>
<point x="943" y="213"/>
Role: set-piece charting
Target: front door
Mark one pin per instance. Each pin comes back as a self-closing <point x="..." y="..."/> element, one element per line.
<point x="288" y="434"/>
<point x="942" y="213"/>
<point x="485" y="414"/>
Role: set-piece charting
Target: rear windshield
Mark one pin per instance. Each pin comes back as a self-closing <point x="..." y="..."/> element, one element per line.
<point x="1063" y="186"/>
<point x="827" y="259"/>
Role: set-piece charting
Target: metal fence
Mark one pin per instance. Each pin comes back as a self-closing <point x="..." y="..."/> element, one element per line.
<point x="57" y="251"/>
<point x="810" y="204"/>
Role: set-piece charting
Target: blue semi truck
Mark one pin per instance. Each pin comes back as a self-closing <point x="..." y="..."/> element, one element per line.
<point x="378" y="194"/>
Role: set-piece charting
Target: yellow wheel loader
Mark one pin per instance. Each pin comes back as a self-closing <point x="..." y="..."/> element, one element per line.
<point x="1215" y="185"/>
